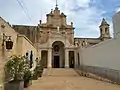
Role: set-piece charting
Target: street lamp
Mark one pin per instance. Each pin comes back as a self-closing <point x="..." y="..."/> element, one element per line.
<point x="6" y="40"/>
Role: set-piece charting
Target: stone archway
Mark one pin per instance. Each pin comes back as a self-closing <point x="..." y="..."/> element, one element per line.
<point x="58" y="54"/>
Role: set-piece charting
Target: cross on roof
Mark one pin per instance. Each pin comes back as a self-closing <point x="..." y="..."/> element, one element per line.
<point x="56" y="3"/>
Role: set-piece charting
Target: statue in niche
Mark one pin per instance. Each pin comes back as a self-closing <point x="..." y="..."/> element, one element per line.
<point x="84" y="43"/>
<point x="76" y="43"/>
<point x="56" y="48"/>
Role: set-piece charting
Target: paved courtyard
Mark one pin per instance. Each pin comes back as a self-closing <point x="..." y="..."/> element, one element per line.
<point x="68" y="79"/>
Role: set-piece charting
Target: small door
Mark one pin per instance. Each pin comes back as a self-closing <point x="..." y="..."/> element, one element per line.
<point x="44" y="57"/>
<point x="71" y="59"/>
<point x="56" y="62"/>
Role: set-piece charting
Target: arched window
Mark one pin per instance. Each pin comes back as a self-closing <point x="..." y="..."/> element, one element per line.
<point x="106" y="30"/>
<point x="101" y="30"/>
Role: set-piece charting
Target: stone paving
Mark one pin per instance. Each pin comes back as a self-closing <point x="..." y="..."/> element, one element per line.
<point x="68" y="79"/>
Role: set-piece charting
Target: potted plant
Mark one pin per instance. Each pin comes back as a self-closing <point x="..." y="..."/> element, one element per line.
<point x="15" y="70"/>
<point x="27" y="78"/>
<point x="35" y="74"/>
<point x="40" y="68"/>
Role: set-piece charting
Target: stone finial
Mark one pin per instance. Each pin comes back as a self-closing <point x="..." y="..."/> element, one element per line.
<point x="62" y="14"/>
<point x="104" y="22"/>
<point x="40" y="21"/>
<point x="71" y="23"/>
<point x="76" y="43"/>
<point x="51" y="11"/>
<point x="56" y="8"/>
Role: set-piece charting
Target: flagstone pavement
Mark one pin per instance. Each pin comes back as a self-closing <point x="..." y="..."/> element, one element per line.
<point x="68" y="79"/>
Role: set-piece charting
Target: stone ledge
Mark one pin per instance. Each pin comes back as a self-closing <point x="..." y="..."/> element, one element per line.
<point x="93" y="76"/>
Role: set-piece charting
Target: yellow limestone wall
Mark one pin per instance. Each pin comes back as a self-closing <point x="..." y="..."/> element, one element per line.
<point x="21" y="45"/>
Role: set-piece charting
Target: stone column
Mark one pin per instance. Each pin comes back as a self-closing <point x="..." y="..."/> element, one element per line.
<point x="49" y="58"/>
<point x="40" y="54"/>
<point x="66" y="58"/>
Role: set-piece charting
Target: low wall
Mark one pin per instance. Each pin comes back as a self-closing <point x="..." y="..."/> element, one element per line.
<point x="113" y="75"/>
<point x="102" y="59"/>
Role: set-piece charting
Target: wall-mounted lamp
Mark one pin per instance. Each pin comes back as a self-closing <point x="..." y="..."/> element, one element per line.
<point x="7" y="40"/>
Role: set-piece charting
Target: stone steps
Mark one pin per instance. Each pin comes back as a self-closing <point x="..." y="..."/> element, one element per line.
<point x="59" y="72"/>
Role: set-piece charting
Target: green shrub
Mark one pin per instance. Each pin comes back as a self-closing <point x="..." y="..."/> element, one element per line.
<point x="16" y="67"/>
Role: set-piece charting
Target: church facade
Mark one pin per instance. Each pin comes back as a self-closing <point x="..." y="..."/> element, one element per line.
<point x="55" y="39"/>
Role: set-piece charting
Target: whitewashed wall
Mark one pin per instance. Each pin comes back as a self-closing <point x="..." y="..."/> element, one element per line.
<point x="105" y="54"/>
<point x="116" y="24"/>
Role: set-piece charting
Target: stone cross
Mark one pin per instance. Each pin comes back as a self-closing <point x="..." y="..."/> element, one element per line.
<point x="56" y="3"/>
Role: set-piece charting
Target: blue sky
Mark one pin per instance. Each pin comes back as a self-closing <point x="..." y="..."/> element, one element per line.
<point x="85" y="14"/>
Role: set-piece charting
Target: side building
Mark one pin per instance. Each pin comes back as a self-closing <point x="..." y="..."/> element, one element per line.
<point x="104" y="35"/>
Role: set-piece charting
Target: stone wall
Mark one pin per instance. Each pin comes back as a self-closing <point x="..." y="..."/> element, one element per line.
<point x="110" y="74"/>
<point x="28" y="31"/>
<point x="102" y="59"/>
<point x="3" y="52"/>
<point x="21" y="45"/>
<point x="104" y="54"/>
<point x="25" y="45"/>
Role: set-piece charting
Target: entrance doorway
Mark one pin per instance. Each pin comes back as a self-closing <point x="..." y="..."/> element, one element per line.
<point x="58" y="55"/>
<point x="71" y="59"/>
<point x="44" y="57"/>
<point x="56" y="62"/>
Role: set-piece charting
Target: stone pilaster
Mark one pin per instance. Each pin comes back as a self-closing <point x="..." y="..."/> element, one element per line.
<point x="66" y="58"/>
<point x="40" y="54"/>
<point x="75" y="59"/>
<point x="49" y="58"/>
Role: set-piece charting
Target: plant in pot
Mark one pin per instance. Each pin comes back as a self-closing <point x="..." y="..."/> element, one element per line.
<point x="35" y="74"/>
<point x="40" y="68"/>
<point x="27" y="78"/>
<point x="15" y="69"/>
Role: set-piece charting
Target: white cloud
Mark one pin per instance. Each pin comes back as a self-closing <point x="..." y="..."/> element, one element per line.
<point x="118" y="9"/>
<point x="86" y="18"/>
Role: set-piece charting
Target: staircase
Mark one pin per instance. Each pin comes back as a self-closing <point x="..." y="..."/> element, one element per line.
<point x="59" y="72"/>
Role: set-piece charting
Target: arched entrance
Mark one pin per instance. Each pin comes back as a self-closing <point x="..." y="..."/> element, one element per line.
<point x="58" y="54"/>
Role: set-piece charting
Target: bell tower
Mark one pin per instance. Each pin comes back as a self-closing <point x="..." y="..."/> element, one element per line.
<point x="104" y="30"/>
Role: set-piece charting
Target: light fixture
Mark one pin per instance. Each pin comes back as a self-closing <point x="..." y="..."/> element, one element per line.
<point x="7" y="40"/>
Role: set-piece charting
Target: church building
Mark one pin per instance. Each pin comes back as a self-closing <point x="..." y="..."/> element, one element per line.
<point x="55" y="39"/>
